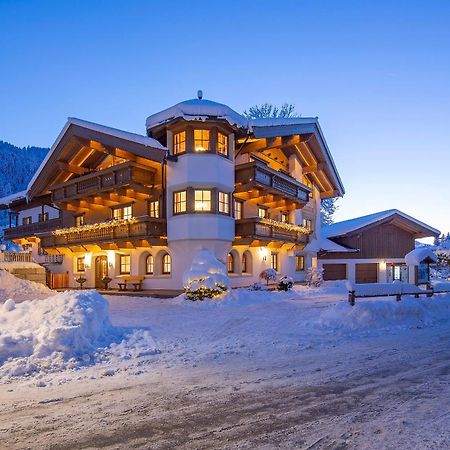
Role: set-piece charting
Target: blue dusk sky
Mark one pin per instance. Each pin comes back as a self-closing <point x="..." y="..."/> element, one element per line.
<point x="376" y="73"/>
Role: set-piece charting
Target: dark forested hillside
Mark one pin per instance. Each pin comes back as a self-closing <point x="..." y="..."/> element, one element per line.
<point x="18" y="165"/>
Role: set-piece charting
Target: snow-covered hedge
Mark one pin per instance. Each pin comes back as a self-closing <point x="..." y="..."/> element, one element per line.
<point x="207" y="277"/>
<point x="285" y="283"/>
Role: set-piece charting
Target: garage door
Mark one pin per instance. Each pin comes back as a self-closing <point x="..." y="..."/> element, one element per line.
<point x="367" y="273"/>
<point x="334" y="271"/>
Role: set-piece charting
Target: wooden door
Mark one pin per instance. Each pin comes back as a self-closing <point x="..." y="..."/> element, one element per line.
<point x="334" y="272"/>
<point x="367" y="273"/>
<point x="101" y="270"/>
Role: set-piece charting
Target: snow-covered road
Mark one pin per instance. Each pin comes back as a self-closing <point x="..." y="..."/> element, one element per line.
<point x="251" y="373"/>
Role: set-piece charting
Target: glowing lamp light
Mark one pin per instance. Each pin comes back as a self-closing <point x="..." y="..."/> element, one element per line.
<point x="111" y="258"/>
<point x="87" y="260"/>
<point x="264" y="253"/>
<point x="199" y="148"/>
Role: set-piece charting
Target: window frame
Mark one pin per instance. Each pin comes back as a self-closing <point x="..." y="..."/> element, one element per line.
<point x="203" y="191"/>
<point x="284" y="218"/>
<point x="274" y="262"/>
<point x="181" y="143"/>
<point x="225" y="144"/>
<point x="28" y="220"/>
<point x="241" y="209"/>
<point x="266" y="212"/>
<point x="300" y="267"/>
<point x="123" y="265"/>
<point x="230" y="263"/>
<point x="77" y="218"/>
<point x="307" y="223"/>
<point x="179" y="203"/>
<point x="122" y="209"/>
<point x="202" y="140"/>
<point x="224" y="202"/>
<point x="153" y="209"/>
<point x="166" y="260"/>
<point x="43" y="217"/>
<point x="81" y="267"/>
<point x="152" y="265"/>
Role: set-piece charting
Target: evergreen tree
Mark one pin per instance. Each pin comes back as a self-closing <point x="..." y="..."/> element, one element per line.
<point x="268" y="110"/>
<point x="327" y="210"/>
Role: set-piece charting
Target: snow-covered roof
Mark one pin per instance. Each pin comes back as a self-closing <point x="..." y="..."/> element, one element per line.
<point x="13" y="197"/>
<point x="326" y="245"/>
<point x="126" y="135"/>
<point x="197" y="109"/>
<point x="416" y="256"/>
<point x="120" y="134"/>
<point x="348" y="226"/>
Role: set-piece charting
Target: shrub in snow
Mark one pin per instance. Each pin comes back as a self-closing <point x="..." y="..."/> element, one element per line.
<point x="314" y="277"/>
<point x="268" y="275"/>
<point x="207" y="277"/>
<point x="258" y="287"/>
<point x="285" y="283"/>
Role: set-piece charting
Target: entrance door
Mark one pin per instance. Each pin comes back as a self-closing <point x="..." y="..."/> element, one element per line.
<point x="397" y="272"/>
<point x="101" y="270"/>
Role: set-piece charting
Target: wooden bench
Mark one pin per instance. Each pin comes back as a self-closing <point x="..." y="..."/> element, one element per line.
<point x="396" y="290"/>
<point x="136" y="281"/>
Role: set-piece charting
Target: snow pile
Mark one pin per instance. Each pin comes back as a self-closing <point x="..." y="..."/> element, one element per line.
<point x="379" y="289"/>
<point x="20" y="290"/>
<point x="66" y="331"/>
<point x="376" y="314"/>
<point x="207" y="277"/>
<point x="441" y="286"/>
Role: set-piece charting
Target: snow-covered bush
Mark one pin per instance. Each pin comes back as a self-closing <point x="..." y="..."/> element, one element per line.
<point x="314" y="276"/>
<point x="285" y="283"/>
<point x="258" y="287"/>
<point x="207" y="277"/>
<point x="268" y="275"/>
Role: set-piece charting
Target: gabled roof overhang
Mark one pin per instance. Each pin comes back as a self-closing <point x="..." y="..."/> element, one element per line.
<point x="79" y="133"/>
<point x="311" y="135"/>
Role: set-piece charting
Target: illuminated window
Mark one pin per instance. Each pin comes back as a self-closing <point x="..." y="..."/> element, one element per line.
<point x="80" y="264"/>
<point x="244" y="263"/>
<point x="43" y="217"/>
<point x="201" y="140"/>
<point x="179" y="202"/>
<point x="237" y="209"/>
<point x="79" y="221"/>
<point x="224" y="202"/>
<point x="274" y="261"/>
<point x="285" y="217"/>
<point x="222" y="144"/>
<point x="26" y="220"/>
<point x="202" y="200"/>
<point x="125" y="264"/>
<point x="123" y="213"/>
<point x="166" y="264"/>
<point x="262" y="212"/>
<point x="179" y="143"/>
<point x="149" y="265"/>
<point x="154" y="209"/>
<point x="299" y="263"/>
<point x="230" y="263"/>
<point x="307" y="223"/>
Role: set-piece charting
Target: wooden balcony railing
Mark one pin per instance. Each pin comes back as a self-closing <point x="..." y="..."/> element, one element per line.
<point x="135" y="229"/>
<point x="32" y="229"/>
<point x="258" y="229"/>
<point x="104" y="180"/>
<point x="15" y="257"/>
<point x="258" y="173"/>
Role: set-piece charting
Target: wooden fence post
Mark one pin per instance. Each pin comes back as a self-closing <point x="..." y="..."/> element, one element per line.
<point x="351" y="297"/>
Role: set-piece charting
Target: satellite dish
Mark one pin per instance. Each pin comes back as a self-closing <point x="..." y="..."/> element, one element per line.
<point x="200" y="94"/>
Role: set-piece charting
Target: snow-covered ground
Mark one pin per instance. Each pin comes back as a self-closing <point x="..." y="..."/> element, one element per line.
<point x="301" y="369"/>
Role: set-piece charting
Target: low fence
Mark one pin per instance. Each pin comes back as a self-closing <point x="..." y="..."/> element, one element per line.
<point x="15" y="257"/>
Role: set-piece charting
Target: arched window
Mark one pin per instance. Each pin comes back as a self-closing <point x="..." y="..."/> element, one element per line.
<point x="149" y="265"/>
<point x="166" y="264"/>
<point x="230" y="263"/>
<point x="244" y="263"/>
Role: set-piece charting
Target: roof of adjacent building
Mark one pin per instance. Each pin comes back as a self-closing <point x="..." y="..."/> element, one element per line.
<point x="349" y="226"/>
<point x="419" y="255"/>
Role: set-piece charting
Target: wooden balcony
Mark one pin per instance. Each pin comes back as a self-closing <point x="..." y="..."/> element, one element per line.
<point x="24" y="231"/>
<point x="110" y="179"/>
<point x="255" y="229"/>
<point x="136" y="232"/>
<point x="256" y="179"/>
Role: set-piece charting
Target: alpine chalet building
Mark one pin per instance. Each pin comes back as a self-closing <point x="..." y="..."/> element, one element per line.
<point x="112" y="206"/>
